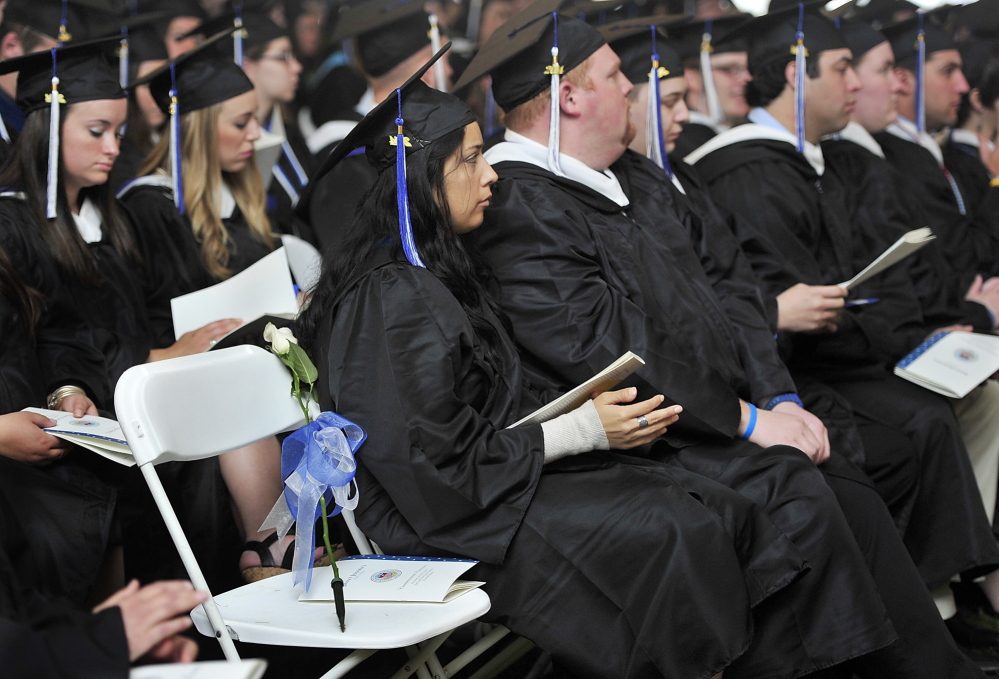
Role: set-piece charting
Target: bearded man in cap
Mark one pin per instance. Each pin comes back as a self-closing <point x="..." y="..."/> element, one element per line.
<point x="574" y="236"/>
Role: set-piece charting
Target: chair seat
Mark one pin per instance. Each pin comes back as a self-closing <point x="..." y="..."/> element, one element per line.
<point x="269" y="612"/>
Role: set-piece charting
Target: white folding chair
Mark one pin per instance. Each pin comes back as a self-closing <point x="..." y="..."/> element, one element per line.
<point x="304" y="259"/>
<point x="199" y="406"/>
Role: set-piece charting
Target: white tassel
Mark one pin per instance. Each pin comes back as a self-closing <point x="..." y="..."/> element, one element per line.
<point x="174" y="147"/>
<point x="652" y="128"/>
<point x="123" y="63"/>
<point x="237" y="42"/>
<point x="53" y="177"/>
<point x="708" y="76"/>
<point x="435" y="45"/>
<point x="3" y="131"/>
<point x="554" y="162"/>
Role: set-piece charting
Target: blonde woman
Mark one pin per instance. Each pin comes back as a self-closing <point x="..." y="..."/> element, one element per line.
<point x="203" y="226"/>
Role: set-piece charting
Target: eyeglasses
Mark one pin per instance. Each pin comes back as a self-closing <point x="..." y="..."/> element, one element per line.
<point x="286" y="57"/>
<point x="732" y="70"/>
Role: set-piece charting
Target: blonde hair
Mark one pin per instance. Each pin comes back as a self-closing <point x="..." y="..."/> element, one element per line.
<point x="203" y="176"/>
<point x="525" y="114"/>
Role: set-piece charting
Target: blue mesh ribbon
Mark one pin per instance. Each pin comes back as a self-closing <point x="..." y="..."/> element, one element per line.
<point x="317" y="461"/>
<point x="402" y="193"/>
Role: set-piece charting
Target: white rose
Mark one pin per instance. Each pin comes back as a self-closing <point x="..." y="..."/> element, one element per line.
<point x="281" y="339"/>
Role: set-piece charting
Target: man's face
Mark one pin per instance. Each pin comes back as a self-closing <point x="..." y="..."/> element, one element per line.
<point x="830" y="98"/>
<point x="877" y="101"/>
<point x="945" y="83"/>
<point x="731" y="73"/>
<point x="604" y="107"/>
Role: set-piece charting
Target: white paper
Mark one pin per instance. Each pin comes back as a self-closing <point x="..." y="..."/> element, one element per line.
<point x="215" y="669"/>
<point x="264" y="288"/>
<point x="393" y="578"/>
<point x="952" y="365"/>
<point x="267" y="152"/>
<point x="97" y="434"/>
<point x="899" y="250"/>
<point x="605" y="380"/>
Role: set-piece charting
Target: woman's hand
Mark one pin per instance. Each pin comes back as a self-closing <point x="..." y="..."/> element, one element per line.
<point x="196" y="341"/>
<point x="78" y="404"/>
<point x="23" y="439"/>
<point x="621" y="424"/>
<point x="810" y="308"/>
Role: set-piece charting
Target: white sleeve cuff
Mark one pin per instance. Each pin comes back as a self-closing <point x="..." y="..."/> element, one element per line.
<point x="577" y="432"/>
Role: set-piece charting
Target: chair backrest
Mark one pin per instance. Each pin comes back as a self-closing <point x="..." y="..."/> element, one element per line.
<point x="198" y="406"/>
<point x="304" y="260"/>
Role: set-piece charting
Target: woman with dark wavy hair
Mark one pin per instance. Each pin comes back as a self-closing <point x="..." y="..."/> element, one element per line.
<point x="582" y="547"/>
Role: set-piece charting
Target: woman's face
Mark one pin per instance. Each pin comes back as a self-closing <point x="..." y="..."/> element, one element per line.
<point x="90" y="140"/>
<point x="144" y="98"/>
<point x="237" y="130"/>
<point x="468" y="177"/>
<point x="275" y="73"/>
<point x="175" y="40"/>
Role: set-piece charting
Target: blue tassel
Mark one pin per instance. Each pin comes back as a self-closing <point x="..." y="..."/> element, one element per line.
<point x="402" y="193"/>
<point x="657" y="130"/>
<point x="178" y="180"/>
<point x="123" y="59"/>
<point x="921" y="77"/>
<point x="799" y="95"/>
<point x="64" y="35"/>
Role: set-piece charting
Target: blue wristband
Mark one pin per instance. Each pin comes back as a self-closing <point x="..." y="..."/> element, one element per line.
<point x="781" y="398"/>
<point x="752" y="422"/>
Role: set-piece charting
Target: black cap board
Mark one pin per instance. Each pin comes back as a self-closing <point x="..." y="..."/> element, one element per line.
<point x="428" y="115"/>
<point x="46" y="16"/>
<point x="204" y="77"/>
<point x="258" y="29"/>
<point x="775" y="34"/>
<point x="86" y="70"/>
<point x="518" y="53"/>
<point x="881" y="12"/>
<point x="631" y="40"/>
<point x="980" y="18"/>
<point x="686" y="38"/>
<point x="904" y="38"/>
<point x="976" y="55"/>
<point x="602" y="12"/>
<point x="860" y="37"/>
<point x="172" y="8"/>
<point x="387" y="32"/>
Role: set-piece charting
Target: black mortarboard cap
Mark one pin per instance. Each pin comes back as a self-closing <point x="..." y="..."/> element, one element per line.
<point x="631" y="40"/>
<point x="518" y="53"/>
<point x="602" y="12"/>
<point x="975" y="56"/>
<point x="203" y="77"/>
<point x="86" y="71"/>
<point x="775" y="34"/>
<point x="387" y="32"/>
<point x="688" y="37"/>
<point x="172" y="8"/>
<point x="881" y="12"/>
<point x="860" y="37"/>
<point x="258" y="29"/>
<point x="904" y="38"/>
<point x="52" y="18"/>
<point x="980" y="18"/>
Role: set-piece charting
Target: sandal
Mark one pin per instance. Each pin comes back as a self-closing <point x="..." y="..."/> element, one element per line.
<point x="267" y="567"/>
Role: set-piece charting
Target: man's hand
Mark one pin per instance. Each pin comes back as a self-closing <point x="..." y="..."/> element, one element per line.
<point x="985" y="293"/>
<point x="814" y="425"/>
<point x="989" y="154"/>
<point x="23" y="439"/>
<point x="153" y="615"/>
<point x="810" y="308"/>
<point x="775" y="428"/>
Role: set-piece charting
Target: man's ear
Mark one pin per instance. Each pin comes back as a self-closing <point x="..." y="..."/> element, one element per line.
<point x="907" y="81"/>
<point x="10" y="46"/>
<point x="568" y="98"/>
<point x="975" y="97"/>
<point x="791" y="75"/>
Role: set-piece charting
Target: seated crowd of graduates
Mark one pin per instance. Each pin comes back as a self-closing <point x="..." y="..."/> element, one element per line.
<point x="763" y="498"/>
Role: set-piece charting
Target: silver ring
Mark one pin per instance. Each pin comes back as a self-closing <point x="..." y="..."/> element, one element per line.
<point x="213" y="342"/>
<point x="642" y="422"/>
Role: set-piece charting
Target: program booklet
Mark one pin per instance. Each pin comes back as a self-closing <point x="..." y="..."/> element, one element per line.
<point x="951" y="363"/>
<point x="212" y="669"/>
<point x="98" y="434"/>
<point x="263" y="288"/>
<point x="376" y="577"/>
<point x="605" y="380"/>
<point x="899" y="250"/>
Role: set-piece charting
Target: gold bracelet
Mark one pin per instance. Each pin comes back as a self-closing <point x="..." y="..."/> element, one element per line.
<point x="57" y="396"/>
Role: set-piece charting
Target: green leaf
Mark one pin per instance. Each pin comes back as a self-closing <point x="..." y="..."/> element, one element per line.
<point x="300" y="364"/>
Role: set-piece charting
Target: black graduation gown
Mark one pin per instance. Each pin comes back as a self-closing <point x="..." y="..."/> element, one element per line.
<point x="969" y="239"/>
<point x="44" y="637"/>
<point x="335" y="197"/>
<point x="793" y="227"/>
<point x="693" y="136"/>
<point x="966" y="166"/>
<point x="565" y="549"/>
<point x="65" y="506"/>
<point x="173" y="255"/>
<point x="288" y="183"/>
